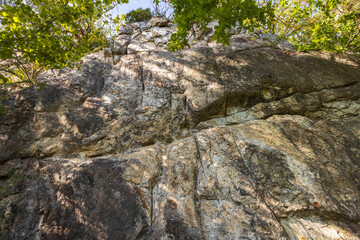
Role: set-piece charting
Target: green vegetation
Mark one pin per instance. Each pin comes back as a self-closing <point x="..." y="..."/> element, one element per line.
<point x="330" y="25"/>
<point x="37" y="35"/>
<point x="138" y="15"/>
<point x="243" y="14"/>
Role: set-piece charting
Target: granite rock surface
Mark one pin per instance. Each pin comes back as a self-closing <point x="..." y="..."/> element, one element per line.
<point x="251" y="141"/>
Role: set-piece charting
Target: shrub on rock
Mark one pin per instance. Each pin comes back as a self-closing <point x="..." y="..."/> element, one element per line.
<point x="139" y="15"/>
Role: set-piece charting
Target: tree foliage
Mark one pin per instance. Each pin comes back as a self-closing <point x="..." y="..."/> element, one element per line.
<point x="331" y="25"/>
<point x="242" y="14"/>
<point x="138" y="15"/>
<point x="48" y="33"/>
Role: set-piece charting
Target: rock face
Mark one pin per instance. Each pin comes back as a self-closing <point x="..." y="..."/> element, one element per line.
<point x="251" y="141"/>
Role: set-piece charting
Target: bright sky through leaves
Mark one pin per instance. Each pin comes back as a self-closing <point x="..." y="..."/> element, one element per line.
<point x="132" y="5"/>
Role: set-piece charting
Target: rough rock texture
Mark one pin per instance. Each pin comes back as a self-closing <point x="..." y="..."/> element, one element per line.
<point x="248" y="142"/>
<point x="159" y="22"/>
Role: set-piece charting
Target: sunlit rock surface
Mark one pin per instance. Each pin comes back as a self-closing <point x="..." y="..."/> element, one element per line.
<point x="251" y="141"/>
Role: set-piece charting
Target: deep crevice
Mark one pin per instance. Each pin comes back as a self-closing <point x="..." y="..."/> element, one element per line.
<point x="197" y="200"/>
<point x="305" y="230"/>
<point x="248" y="108"/>
<point x="153" y="183"/>
<point x="321" y="214"/>
<point x="142" y="232"/>
<point x="255" y="189"/>
<point x="141" y="75"/>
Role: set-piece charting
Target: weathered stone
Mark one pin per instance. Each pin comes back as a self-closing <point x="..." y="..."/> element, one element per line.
<point x="126" y="29"/>
<point x="69" y="200"/>
<point x="146" y="36"/>
<point x="135" y="35"/>
<point x="257" y="179"/>
<point x="159" y="22"/>
<point x="141" y="26"/>
<point x="162" y="36"/>
<point x="162" y="41"/>
<point x="108" y="52"/>
<point x="120" y="44"/>
<point x="161" y="31"/>
<point x="140" y="46"/>
<point x="98" y="56"/>
<point x="244" y="142"/>
<point x="117" y="59"/>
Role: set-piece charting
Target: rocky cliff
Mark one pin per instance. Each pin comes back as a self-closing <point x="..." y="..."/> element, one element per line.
<point x="251" y="141"/>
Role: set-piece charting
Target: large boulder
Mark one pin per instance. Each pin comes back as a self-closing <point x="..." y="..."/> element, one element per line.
<point x="244" y="142"/>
